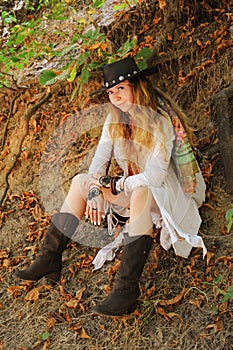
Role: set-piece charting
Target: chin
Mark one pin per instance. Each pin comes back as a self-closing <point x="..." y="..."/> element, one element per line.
<point x="125" y="108"/>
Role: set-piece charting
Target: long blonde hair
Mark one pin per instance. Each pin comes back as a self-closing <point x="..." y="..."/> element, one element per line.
<point x="146" y="119"/>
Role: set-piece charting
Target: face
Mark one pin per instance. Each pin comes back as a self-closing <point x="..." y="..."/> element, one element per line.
<point x="121" y="96"/>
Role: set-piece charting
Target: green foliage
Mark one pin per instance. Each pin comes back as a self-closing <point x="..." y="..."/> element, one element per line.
<point x="44" y="336"/>
<point x="98" y="3"/>
<point x="127" y="46"/>
<point x="229" y="218"/>
<point x="8" y="17"/>
<point x="124" y="5"/>
<point x="142" y="56"/>
<point x="87" y="49"/>
<point x="227" y="294"/>
<point x="39" y="4"/>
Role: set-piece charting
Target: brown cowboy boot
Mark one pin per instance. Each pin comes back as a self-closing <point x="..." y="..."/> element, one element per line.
<point x="125" y="293"/>
<point x="48" y="262"/>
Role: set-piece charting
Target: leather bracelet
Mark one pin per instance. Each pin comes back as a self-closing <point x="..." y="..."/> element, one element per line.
<point x="105" y="181"/>
<point x="110" y="182"/>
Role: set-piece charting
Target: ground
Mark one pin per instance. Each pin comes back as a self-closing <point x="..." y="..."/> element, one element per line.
<point x="182" y="303"/>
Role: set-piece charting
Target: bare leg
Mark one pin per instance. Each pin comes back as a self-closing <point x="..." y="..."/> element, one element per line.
<point x="140" y="212"/>
<point x="75" y="201"/>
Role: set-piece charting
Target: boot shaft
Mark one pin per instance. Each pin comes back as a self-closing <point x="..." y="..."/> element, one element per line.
<point x="134" y="256"/>
<point x="61" y="229"/>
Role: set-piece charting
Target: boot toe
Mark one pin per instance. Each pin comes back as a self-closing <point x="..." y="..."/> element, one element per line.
<point x="115" y="305"/>
<point x="24" y="276"/>
<point x="27" y="276"/>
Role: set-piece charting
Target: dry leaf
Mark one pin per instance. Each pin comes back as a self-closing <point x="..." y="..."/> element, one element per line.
<point x="79" y="293"/>
<point x="218" y="326"/>
<point x="3" y="254"/>
<point x="72" y="303"/>
<point x="209" y="256"/>
<point x="225" y="259"/>
<point x="162" y="4"/>
<point x="174" y="300"/>
<point x="162" y="312"/>
<point x="83" y="334"/>
<point x="15" y="290"/>
<point x="156" y="20"/>
<point x="51" y="322"/>
<point x="150" y="291"/>
<point x="6" y="263"/>
<point x="32" y="295"/>
<point x="195" y="302"/>
<point x="174" y="314"/>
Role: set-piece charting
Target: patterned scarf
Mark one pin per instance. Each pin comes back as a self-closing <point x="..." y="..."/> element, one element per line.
<point x="184" y="158"/>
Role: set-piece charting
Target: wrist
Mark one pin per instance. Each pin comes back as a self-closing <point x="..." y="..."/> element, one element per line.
<point x="94" y="191"/>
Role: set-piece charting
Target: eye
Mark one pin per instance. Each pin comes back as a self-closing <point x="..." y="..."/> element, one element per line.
<point x="109" y="93"/>
<point x="120" y="88"/>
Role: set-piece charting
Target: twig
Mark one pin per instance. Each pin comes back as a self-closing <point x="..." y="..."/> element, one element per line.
<point x="7" y="122"/>
<point x="199" y="290"/>
<point x="26" y="118"/>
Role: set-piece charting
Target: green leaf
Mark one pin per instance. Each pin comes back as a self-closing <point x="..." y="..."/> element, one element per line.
<point x="144" y="54"/>
<point x="68" y="49"/>
<point x="45" y="335"/>
<point x="127" y="46"/>
<point x="85" y="75"/>
<point x="82" y="57"/>
<point x="54" y="78"/>
<point x="8" y="17"/>
<point x="214" y="309"/>
<point x="120" y="7"/>
<point x="98" y="3"/>
<point x="94" y="65"/>
<point x="145" y="321"/>
<point x="229" y="218"/>
<point x="14" y="58"/>
<point x="228" y="294"/>
<point x="46" y="76"/>
<point x="142" y="65"/>
<point x="217" y="279"/>
<point x="74" y="92"/>
<point x="72" y="74"/>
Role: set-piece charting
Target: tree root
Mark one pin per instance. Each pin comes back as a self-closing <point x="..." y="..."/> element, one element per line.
<point x="7" y="122"/>
<point x="222" y="117"/>
<point x="25" y="126"/>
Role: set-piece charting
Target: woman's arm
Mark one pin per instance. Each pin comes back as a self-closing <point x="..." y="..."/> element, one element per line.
<point x="103" y="151"/>
<point x="157" y="164"/>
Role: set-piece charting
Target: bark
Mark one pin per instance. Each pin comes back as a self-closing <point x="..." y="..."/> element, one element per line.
<point x="223" y="115"/>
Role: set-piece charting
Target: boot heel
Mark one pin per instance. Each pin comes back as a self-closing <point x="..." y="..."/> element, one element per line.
<point x="53" y="276"/>
<point x="131" y="309"/>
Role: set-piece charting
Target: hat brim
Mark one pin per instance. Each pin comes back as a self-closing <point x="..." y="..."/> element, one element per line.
<point x="144" y="72"/>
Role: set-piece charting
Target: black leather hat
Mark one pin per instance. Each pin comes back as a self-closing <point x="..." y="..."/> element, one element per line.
<point x="125" y="69"/>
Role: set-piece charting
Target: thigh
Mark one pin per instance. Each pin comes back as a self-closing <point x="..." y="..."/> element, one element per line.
<point x="121" y="199"/>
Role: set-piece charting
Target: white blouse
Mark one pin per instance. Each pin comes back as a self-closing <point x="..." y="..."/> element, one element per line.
<point x="179" y="220"/>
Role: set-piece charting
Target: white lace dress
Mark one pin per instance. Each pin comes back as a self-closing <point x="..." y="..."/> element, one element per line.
<point x="179" y="217"/>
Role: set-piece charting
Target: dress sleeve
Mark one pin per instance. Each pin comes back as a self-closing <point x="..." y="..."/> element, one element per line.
<point x="103" y="151"/>
<point x="158" y="161"/>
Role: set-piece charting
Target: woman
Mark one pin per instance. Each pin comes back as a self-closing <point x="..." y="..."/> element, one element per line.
<point x="159" y="186"/>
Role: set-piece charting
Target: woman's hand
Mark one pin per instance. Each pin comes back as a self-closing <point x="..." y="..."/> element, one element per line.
<point x="95" y="209"/>
<point x="92" y="181"/>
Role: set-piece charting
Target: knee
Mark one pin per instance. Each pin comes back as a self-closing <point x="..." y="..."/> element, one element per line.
<point x="78" y="180"/>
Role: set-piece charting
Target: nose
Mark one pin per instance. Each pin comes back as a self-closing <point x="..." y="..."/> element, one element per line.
<point x="115" y="96"/>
